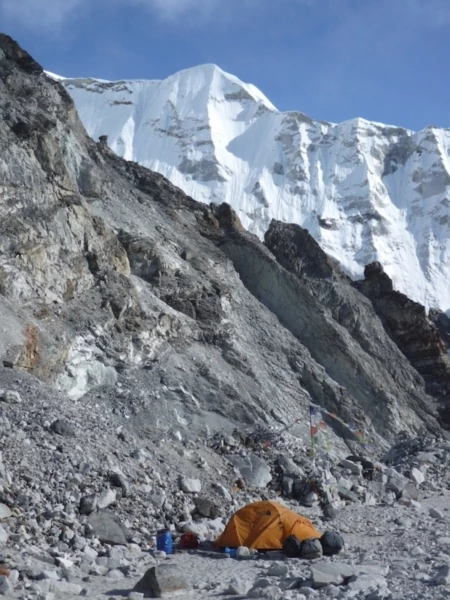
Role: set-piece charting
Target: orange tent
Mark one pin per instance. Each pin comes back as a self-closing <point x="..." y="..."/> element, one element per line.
<point x="265" y="526"/>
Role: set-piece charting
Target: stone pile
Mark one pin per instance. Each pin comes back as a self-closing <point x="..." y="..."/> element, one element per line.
<point x="424" y="459"/>
<point x="281" y="464"/>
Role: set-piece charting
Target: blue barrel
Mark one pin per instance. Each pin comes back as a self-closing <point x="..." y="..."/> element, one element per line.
<point x="164" y="541"/>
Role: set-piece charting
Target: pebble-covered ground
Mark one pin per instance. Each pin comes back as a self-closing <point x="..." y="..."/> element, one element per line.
<point x="83" y="493"/>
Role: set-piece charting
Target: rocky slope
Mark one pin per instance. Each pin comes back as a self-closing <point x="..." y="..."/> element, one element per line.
<point x="155" y="358"/>
<point x="422" y="338"/>
<point x="365" y="191"/>
<point x="115" y="282"/>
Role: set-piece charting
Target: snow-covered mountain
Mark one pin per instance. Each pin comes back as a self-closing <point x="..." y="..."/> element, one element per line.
<point x="364" y="190"/>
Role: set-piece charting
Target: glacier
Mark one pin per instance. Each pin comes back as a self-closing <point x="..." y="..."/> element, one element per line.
<point x="365" y="191"/>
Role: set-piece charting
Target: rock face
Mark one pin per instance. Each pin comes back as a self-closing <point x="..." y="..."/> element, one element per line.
<point x="116" y="285"/>
<point x="416" y="334"/>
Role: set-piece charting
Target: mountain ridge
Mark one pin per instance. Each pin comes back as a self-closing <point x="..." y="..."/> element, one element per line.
<point x="125" y="289"/>
<point x="367" y="192"/>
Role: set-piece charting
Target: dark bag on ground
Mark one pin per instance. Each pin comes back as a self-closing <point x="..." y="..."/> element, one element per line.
<point x="311" y="549"/>
<point x="292" y="546"/>
<point x="332" y="543"/>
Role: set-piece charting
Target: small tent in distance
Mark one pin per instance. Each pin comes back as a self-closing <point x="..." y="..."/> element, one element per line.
<point x="265" y="525"/>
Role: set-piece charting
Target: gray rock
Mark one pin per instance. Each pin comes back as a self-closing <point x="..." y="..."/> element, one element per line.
<point x="369" y="499"/>
<point x="287" y="486"/>
<point x="5" y="511"/>
<point x="3" y="535"/>
<point x="6" y="587"/>
<point x="396" y="482"/>
<point x="329" y="511"/>
<point x="157" y="498"/>
<point x="436" y="514"/>
<point x="206" y="508"/>
<point x="278" y="570"/>
<point x="12" y="397"/>
<point x="115" y="574"/>
<point x="106" y="498"/>
<point x="237" y="587"/>
<point x="119" y="480"/>
<point x="444" y="541"/>
<point x="63" y="428"/>
<point x="324" y="574"/>
<point x="190" y="486"/>
<point x="347" y="494"/>
<point x="222" y="491"/>
<point x="161" y="581"/>
<point x="65" y="587"/>
<point x="417" y="475"/>
<point x="135" y="596"/>
<point x="108" y="528"/>
<point x="289" y="466"/>
<point x="254" y="470"/>
<point x="365" y="582"/>
<point x="443" y="576"/>
<point x="355" y="468"/>
<point x="372" y="569"/>
<point x="47" y="574"/>
<point x="271" y="592"/>
<point x="88" y="504"/>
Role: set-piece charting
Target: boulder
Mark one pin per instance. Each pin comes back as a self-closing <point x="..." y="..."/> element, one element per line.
<point x="108" y="527"/>
<point x="119" y="480"/>
<point x="417" y="475"/>
<point x="270" y="592"/>
<point x="6" y="586"/>
<point x="5" y="511"/>
<point x="162" y="581"/>
<point x="206" y="508"/>
<point x="12" y="397"/>
<point x="237" y="587"/>
<point x="436" y="514"/>
<point x="106" y="498"/>
<point x="324" y="574"/>
<point x="63" y="428"/>
<point x="443" y="576"/>
<point x="366" y="582"/>
<point x="289" y="467"/>
<point x="334" y="573"/>
<point x="355" y="468"/>
<point x="347" y="494"/>
<point x="190" y="486"/>
<point x="254" y="470"/>
<point x="88" y="504"/>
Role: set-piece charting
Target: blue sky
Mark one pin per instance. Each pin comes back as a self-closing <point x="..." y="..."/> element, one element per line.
<point x="385" y="60"/>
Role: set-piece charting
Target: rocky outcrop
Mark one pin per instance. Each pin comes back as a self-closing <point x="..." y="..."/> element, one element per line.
<point x="358" y="334"/>
<point x="418" y="337"/>
<point x="116" y="285"/>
